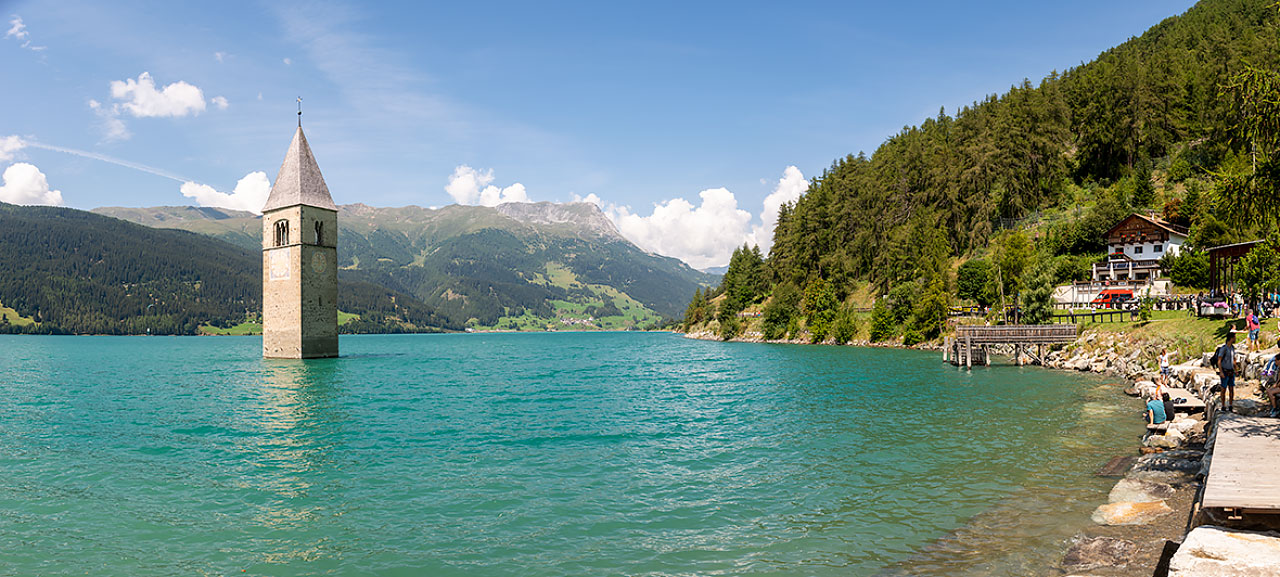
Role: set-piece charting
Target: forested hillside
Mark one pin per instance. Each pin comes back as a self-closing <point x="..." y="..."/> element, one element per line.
<point x="72" y="271"/>
<point x="1180" y="121"/>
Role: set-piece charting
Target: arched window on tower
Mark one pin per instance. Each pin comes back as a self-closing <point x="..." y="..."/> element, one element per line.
<point x="282" y="232"/>
<point x="319" y="233"/>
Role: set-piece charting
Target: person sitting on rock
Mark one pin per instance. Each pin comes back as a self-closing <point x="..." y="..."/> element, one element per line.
<point x="1168" y="406"/>
<point x="1271" y="384"/>
<point x="1155" y="411"/>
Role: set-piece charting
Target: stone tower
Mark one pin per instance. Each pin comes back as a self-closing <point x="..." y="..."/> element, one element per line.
<point x="299" y="261"/>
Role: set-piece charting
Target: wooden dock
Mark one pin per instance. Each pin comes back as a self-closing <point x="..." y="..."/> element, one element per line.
<point x="960" y="350"/>
<point x="1242" y="475"/>
<point x="1190" y="402"/>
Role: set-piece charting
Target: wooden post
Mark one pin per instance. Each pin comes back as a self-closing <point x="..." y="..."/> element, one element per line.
<point x="986" y="355"/>
<point x="968" y="351"/>
<point x="946" y="348"/>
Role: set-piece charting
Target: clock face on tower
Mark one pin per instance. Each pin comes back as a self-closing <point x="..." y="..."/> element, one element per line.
<point x="318" y="262"/>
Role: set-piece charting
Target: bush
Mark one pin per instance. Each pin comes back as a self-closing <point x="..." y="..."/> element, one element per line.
<point x="1037" y="300"/>
<point x="730" y="327"/>
<point x="780" y="311"/>
<point x="971" y="281"/>
<point x="902" y="301"/>
<point x="912" y="337"/>
<point x="930" y="313"/>
<point x="1189" y="268"/>
<point x="882" y="324"/>
<point x="820" y="307"/>
<point x="846" y="326"/>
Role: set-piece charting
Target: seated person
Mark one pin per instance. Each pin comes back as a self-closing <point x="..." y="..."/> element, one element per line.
<point x="1155" y="411"/>
<point x="1168" y="405"/>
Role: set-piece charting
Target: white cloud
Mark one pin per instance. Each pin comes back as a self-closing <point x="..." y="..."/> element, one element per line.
<point x="112" y="127"/>
<point x="706" y="235"/>
<point x="220" y="102"/>
<point x="702" y="236"/>
<point x="790" y="187"/>
<point x="591" y="198"/>
<point x="25" y="184"/>
<point x="470" y="186"/>
<point x="143" y="100"/>
<point x="18" y="31"/>
<point x="10" y="145"/>
<point x="288" y="62"/>
<point x="219" y="56"/>
<point x="259" y="96"/>
<point x="250" y="194"/>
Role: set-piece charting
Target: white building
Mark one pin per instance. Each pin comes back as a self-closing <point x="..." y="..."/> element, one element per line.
<point x="1135" y="247"/>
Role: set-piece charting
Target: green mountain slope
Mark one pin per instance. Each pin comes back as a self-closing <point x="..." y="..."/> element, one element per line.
<point x="1144" y="127"/>
<point x="515" y="266"/>
<point x="1014" y="194"/>
<point x="73" y="271"/>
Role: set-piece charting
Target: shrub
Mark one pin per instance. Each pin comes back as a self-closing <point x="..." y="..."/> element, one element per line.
<point x="882" y="324"/>
<point x="846" y="326"/>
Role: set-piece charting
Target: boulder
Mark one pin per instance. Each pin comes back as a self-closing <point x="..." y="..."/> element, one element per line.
<point x="1099" y="367"/>
<point x="1251" y="407"/>
<point x="1130" y="513"/>
<point x="1139" y="491"/>
<point x="1183" y="424"/>
<point x="1172" y="467"/>
<point x="1099" y="552"/>
<point x="1214" y="551"/>
<point x="1171" y="439"/>
<point x="1145" y="388"/>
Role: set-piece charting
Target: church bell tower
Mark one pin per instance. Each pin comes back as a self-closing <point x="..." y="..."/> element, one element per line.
<point x="299" y="261"/>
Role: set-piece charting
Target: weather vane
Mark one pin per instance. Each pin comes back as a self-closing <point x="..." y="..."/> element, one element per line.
<point x="299" y="112"/>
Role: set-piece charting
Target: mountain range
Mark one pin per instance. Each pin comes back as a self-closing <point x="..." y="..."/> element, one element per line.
<point x="70" y="271"/>
<point x="517" y="266"/>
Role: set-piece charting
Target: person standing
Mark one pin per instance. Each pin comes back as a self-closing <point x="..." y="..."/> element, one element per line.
<point x="1225" y="360"/>
<point x="1251" y="321"/>
<point x="1164" y="366"/>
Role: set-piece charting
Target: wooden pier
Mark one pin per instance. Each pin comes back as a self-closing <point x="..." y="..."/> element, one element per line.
<point x="960" y="350"/>
<point x="1242" y="475"/>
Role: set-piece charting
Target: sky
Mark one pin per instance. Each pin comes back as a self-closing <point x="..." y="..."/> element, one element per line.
<point x="689" y="123"/>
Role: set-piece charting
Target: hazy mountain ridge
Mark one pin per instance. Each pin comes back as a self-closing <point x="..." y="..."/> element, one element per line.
<point x="78" y="272"/>
<point x="489" y="265"/>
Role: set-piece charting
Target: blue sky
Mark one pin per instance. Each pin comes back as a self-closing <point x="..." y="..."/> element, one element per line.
<point x="634" y="106"/>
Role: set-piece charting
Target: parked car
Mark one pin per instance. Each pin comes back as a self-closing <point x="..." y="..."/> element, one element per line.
<point x="1113" y="298"/>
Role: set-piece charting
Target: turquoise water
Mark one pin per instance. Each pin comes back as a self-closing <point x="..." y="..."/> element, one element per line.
<point x="539" y="454"/>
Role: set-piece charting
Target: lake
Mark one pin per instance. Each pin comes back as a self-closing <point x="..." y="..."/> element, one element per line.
<point x="540" y="455"/>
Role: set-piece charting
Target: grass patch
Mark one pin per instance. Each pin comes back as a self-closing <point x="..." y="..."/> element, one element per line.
<point x="14" y="318"/>
<point x="573" y="315"/>
<point x="344" y="318"/>
<point x="244" y="328"/>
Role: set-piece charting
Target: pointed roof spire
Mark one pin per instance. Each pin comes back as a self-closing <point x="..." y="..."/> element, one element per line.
<point x="299" y="180"/>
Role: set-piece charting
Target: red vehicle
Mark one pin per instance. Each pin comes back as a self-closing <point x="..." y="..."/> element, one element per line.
<point x="1112" y="298"/>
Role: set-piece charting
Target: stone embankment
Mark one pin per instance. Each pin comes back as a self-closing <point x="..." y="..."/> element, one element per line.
<point x="1150" y="509"/>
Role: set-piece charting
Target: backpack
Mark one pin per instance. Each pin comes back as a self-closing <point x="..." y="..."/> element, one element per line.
<point x="1213" y="361"/>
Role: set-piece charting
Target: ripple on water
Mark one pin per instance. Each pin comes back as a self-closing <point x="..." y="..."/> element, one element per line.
<point x="530" y="455"/>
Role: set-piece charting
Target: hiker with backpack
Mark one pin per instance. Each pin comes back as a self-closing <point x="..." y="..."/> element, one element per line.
<point x="1224" y="359"/>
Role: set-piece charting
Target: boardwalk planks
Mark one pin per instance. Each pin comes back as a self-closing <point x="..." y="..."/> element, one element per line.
<point x="1246" y="456"/>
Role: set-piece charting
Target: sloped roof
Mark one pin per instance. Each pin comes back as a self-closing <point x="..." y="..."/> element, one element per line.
<point x="299" y="180"/>
<point x="1158" y="222"/>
